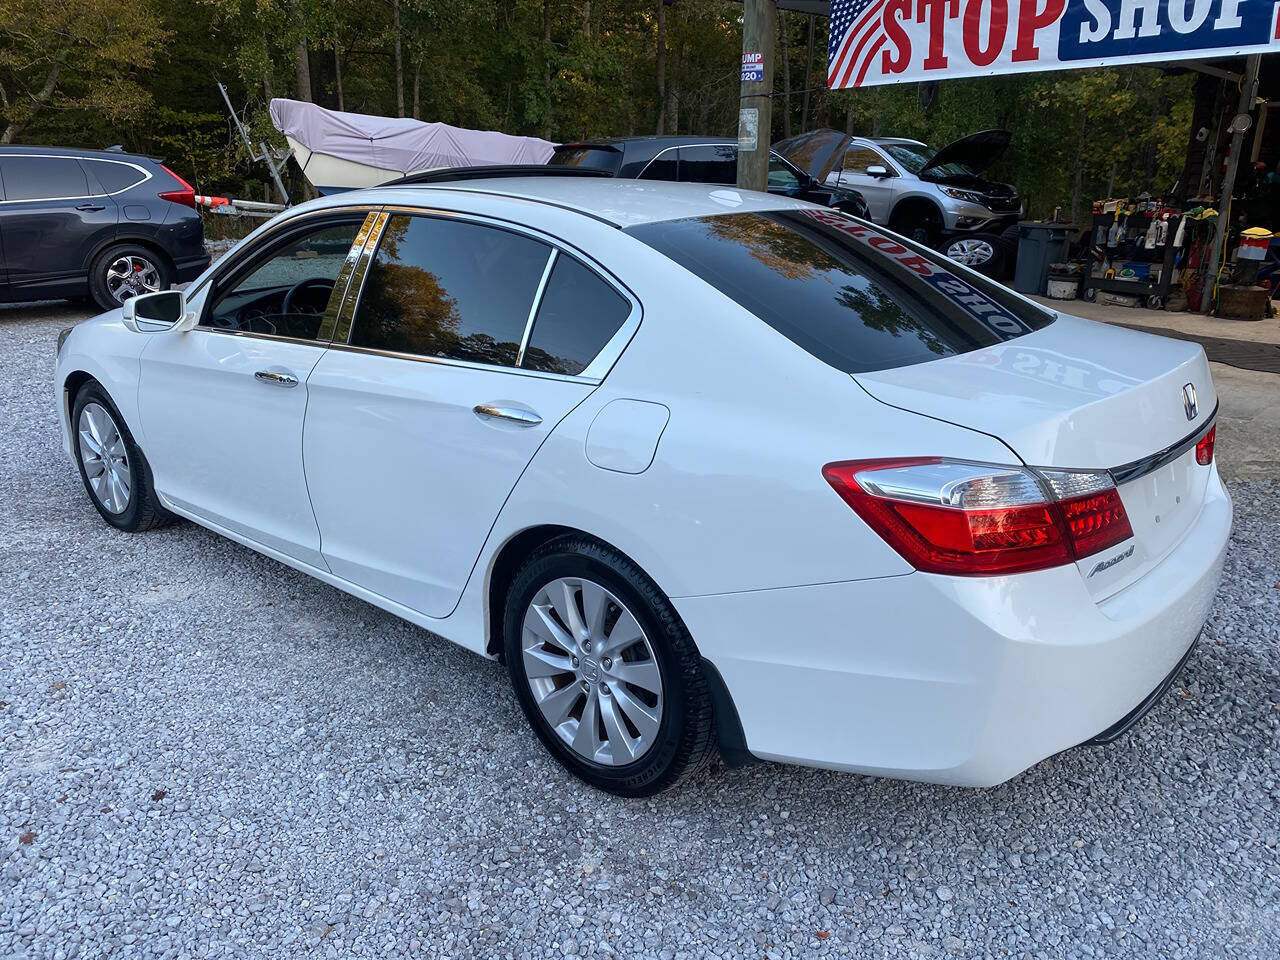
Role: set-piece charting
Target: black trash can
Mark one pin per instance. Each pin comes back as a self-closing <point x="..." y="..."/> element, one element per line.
<point x="1039" y="244"/>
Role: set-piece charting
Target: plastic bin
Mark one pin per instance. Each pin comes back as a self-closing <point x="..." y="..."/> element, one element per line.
<point x="1039" y="244"/>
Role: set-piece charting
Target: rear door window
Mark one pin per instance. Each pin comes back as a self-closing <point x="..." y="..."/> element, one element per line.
<point x="709" y="163"/>
<point x="43" y="178"/>
<point x="586" y="157"/>
<point x="579" y="313"/>
<point x="449" y="288"/>
<point x="853" y="297"/>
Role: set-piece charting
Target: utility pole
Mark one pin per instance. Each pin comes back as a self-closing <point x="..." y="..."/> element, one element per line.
<point x="755" y="112"/>
<point x="1248" y="94"/>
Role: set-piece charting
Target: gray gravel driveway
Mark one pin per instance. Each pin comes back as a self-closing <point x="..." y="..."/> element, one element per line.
<point x="204" y="753"/>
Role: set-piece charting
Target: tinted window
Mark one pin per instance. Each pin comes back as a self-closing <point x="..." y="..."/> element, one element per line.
<point x="287" y="294"/>
<point x="857" y="159"/>
<point x="448" y="288"/>
<point x="713" y="163"/>
<point x="661" y="167"/>
<point x="115" y="177"/>
<point x="42" y="178"/>
<point x="578" y="314"/>
<point x="781" y="176"/>
<point x="591" y="158"/>
<point x="851" y="296"/>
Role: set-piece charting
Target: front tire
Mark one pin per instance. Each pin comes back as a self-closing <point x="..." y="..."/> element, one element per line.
<point x="115" y="474"/>
<point x="604" y="669"/>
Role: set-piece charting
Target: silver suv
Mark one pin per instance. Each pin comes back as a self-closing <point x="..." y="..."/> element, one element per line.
<point x="937" y="197"/>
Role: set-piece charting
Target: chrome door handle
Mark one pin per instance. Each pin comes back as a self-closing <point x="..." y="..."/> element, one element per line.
<point x="497" y="411"/>
<point x="279" y="379"/>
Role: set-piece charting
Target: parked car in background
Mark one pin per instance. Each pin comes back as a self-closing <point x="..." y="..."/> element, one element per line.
<point x="701" y="466"/>
<point x="936" y="197"/>
<point x="94" y="224"/>
<point x="688" y="159"/>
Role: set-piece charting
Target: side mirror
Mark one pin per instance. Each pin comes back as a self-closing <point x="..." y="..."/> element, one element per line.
<point x="876" y="170"/>
<point x="157" y="313"/>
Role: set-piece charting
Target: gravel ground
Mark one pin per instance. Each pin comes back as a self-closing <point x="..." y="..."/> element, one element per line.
<point x="204" y="753"/>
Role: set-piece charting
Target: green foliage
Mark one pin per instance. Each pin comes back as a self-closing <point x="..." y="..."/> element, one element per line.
<point x="143" y="73"/>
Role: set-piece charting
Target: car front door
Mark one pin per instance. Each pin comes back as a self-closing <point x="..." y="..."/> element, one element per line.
<point x="222" y="405"/>
<point x="469" y="343"/>
<point x="876" y="189"/>
<point x="54" y="216"/>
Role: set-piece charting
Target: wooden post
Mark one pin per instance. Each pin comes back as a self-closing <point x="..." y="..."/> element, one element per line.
<point x="1248" y="93"/>
<point x="755" y="113"/>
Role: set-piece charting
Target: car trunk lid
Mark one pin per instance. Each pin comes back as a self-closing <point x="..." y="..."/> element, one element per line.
<point x="1084" y="395"/>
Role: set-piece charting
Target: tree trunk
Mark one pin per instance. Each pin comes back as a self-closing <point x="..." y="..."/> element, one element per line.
<point x="662" y="68"/>
<point x="399" y="56"/>
<point x="586" y="18"/>
<point x="302" y="70"/>
<point x="337" y="75"/>
<point x="808" y="79"/>
<point x="1077" y="184"/>
<point x="546" y="66"/>
<point x="38" y="100"/>
<point x="417" y="88"/>
<point x="784" y="39"/>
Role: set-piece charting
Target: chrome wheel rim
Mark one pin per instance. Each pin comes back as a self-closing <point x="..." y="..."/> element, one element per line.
<point x="592" y="671"/>
<point x="105" y="459"/>
<point x="131" y="276"/>
<point x="971" y="253"/>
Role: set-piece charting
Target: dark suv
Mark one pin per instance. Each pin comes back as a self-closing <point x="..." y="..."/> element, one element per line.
<point x="94" y="223"/>
<point x="699" y="160"/>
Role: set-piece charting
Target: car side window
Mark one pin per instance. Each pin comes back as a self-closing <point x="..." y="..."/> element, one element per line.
<point x="43" y="178"/>
<point x="857" y="159"/>
<point x="454" y="289"/>
<point x="287" y="293"/>
<point x="781" y="176"/>
<point x="115" y="177"/>
<point x="579" y="313"/>
<point x="709" y="163"/>
<point x="661" y="167"/>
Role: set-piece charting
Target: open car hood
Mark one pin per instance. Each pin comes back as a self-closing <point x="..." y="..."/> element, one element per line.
<point x="815" y="152"/>
<point x="975" y="152"/>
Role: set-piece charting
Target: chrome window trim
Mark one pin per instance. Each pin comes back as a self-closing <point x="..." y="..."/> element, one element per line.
<point x="1136" y="469"/>
<point x="146" y="175"/>
<point x="341" y="333"/>
<point x="593" y="373"/>
<point x="536" y="305"/>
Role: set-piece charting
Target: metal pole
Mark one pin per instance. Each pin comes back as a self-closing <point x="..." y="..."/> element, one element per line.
<point x="1248" y="93"/>
<point x="755" y="113"/>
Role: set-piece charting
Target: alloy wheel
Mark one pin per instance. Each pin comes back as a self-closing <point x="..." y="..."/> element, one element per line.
<point x="592" y="671"/>
<point x="972" y="253"/>
<point x="105" y="458"/>
<point x="131" y="276"/>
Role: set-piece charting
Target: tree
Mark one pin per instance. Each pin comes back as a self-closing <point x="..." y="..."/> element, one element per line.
<point x="84" y="55"/>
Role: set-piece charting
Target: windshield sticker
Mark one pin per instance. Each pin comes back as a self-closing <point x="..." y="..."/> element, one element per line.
<point x="960" y="292"/>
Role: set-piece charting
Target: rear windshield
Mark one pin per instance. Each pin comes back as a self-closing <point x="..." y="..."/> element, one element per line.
<point x="588" y="158"/>
<point x="852" y="296"/>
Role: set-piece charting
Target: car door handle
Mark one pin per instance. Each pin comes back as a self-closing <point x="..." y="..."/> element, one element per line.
<point x="90" y="206"/>
<point x="499" y="411"/>
<point x="279" y="379"/>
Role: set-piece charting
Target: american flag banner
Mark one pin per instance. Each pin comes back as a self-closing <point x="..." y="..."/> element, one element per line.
<point x="893" y="41"/>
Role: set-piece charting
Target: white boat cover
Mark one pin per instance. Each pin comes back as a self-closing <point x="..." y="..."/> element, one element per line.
<point x="401" y="145"/>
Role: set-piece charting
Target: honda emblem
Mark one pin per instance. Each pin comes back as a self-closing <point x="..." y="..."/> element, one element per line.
<point x="1189" y="404"/>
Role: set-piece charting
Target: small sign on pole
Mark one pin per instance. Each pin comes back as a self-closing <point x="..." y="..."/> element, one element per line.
<point x="753" y="67"/>
<point x="748" y="128"/>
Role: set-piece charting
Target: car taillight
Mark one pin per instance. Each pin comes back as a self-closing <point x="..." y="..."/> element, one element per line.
<point x="974" y="519"/>
<point x="1204" y="447"/>
<point x="186" y="196"/>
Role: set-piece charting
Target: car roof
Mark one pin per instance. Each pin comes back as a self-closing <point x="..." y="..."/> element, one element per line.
<point x="619" y="202"/>
<point x="43" y="151"/>
<point x="666" y="140"/>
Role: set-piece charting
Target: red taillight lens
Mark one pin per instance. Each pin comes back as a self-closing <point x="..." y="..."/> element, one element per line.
<point x="976" y="519"/>
<point x="186" y="196"/>
<point x="1204" y="447"/>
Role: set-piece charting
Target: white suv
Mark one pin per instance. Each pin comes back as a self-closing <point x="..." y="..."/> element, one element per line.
<point x="933" y="196"/>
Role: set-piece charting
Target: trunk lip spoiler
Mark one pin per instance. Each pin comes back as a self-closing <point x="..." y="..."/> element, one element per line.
<point x="1152" y="462"/>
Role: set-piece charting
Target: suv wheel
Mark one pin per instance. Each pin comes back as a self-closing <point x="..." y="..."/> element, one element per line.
<point x="126" y="271"/>
<point x="983" y="252"/>
<point x="605" y="670"/>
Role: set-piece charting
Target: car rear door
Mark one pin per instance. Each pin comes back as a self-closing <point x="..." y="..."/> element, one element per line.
<point x="55" y="216"/>
<point x="470" y="342"/>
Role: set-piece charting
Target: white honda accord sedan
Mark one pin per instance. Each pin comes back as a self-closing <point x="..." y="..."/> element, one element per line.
<point x="705" y="468"/>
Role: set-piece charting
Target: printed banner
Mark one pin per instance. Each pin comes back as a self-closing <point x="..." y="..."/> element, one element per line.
<point x="891" y="41"/>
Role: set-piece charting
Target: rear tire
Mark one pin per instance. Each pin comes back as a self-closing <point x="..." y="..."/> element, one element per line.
<point x="115" y="474"/>
<point x="984" y="252"/>
<point x="591" y="693"/>
<point x="125" y="271"/>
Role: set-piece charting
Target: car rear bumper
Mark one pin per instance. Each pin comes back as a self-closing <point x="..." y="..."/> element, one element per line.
<point x="964" y="681"/>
